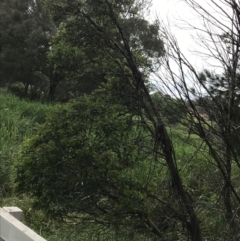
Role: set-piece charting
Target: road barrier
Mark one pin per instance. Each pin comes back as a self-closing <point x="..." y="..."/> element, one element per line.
<point x="12" y="229"/>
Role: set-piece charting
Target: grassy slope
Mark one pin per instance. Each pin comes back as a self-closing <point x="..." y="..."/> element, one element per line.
<point x="18" y="120"/>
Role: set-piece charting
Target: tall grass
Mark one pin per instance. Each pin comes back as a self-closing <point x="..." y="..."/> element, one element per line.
<point x="55" y="231"/>
<point x="18" y="120"/>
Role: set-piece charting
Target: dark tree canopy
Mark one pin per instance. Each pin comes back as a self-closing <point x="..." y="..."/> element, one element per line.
<point x="88" y="59"/>
<point x="25" y="31"/>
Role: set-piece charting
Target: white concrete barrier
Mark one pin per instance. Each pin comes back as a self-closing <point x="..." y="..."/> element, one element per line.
<point x="11" y="229"/>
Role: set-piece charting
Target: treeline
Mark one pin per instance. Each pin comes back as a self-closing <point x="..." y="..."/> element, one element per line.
<point x="59" y="57"/>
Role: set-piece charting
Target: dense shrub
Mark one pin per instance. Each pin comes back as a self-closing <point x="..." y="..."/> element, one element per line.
<point x="87" y="161"/>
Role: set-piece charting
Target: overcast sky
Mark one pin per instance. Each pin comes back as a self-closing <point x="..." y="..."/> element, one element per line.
<point x="176" y="12"/>
<point x="172" y="12"/>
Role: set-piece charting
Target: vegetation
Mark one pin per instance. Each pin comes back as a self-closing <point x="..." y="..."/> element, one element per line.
<point x="24" y="36"/>
<point x="117" y="158"/>
<point x="18" y="120"/>
<point x="122" y="167"/>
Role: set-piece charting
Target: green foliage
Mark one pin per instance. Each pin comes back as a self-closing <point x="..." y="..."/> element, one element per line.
<point x="170" y="108"/>
<point x="88" y="162"/>
<point x="25" y="31"/>
<point x="200" y="176"/>
<point x="94" y="233"/>
<point x="88" y="48"/>
<point x="18" y="120"/>
<point x="90" y="155"/>
<point x="84" y="159"/>
<point x="82" y="64"/>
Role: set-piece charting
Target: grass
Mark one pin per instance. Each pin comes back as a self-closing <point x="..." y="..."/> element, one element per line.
<point x="18" y="120"/>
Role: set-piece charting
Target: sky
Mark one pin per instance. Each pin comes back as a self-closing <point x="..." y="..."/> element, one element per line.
<point x="174" y="12"/>
<point x="164" y="7"/>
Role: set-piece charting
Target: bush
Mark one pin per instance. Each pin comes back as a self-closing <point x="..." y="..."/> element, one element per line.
<point x="92" y="161"/>
<point x="83" y="160"/>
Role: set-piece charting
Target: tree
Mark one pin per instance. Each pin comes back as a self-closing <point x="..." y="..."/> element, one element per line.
<point x="24" y="35"/>
<point x="219" y="41"/>
<point x="220" y="89"/>
<point x="80" y="54"/>
<point x="170" y="108"/>
<point x="104" y="19"/>
<point x="88" y="162"/>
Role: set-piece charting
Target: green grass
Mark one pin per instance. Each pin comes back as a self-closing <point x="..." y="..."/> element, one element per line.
<point x="18" y="120"/>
